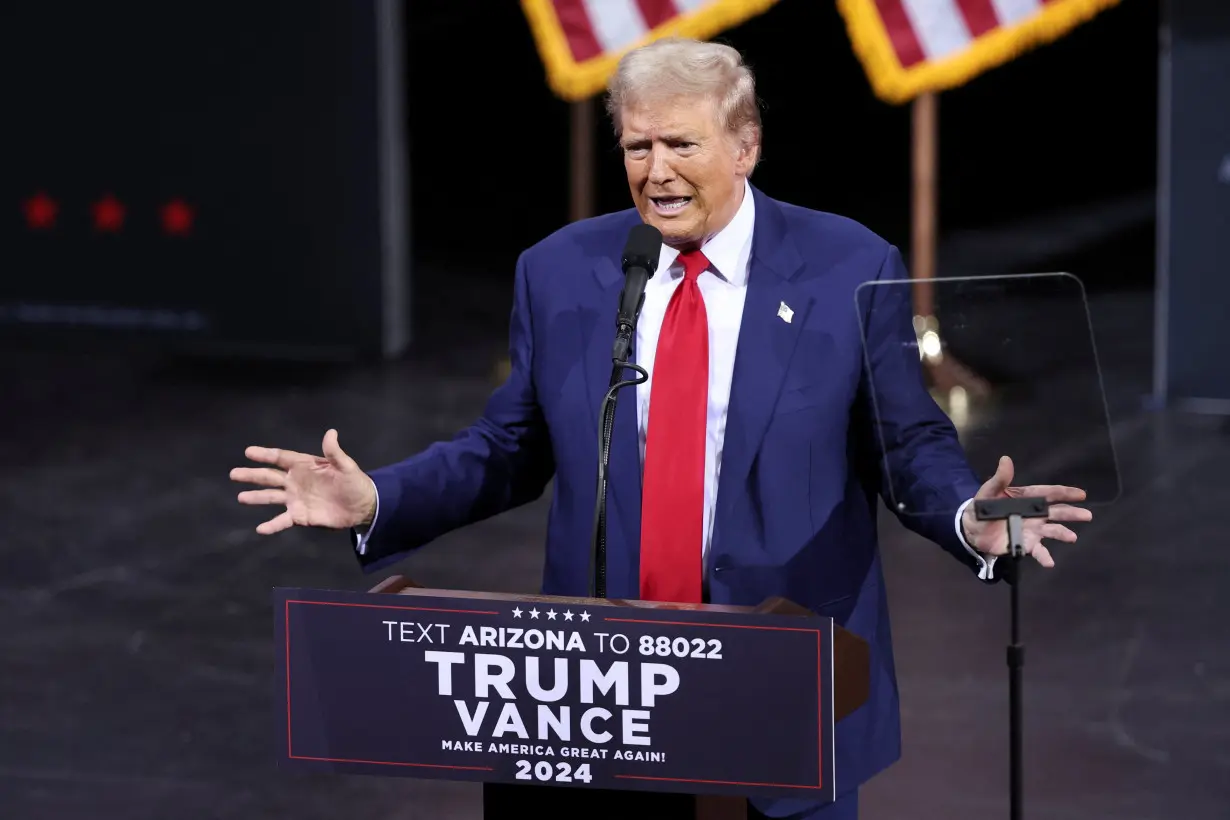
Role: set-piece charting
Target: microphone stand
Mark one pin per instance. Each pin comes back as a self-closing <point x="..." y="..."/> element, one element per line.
<point x="1014" y="510"/>
<point x="606" y="426"/>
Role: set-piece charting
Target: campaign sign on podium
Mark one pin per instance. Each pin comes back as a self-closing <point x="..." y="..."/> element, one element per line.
<point x="543" y="690"/>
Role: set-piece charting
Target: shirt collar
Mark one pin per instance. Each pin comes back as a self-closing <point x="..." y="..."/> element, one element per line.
<point x="727" y="250"/>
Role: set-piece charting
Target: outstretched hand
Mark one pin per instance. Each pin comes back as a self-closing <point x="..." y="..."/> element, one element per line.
<point x="991" y="537"/>
<point x="318" y="491"/>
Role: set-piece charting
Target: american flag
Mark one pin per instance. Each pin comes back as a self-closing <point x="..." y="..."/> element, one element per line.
<point x="581" y="41"/>
<point x="909" y="47"/>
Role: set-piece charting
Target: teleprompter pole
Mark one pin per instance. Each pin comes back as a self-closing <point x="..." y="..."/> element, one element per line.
<point x="1014" y="511"/>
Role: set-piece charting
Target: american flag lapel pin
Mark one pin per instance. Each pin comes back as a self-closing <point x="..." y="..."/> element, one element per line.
<point x="785" y="313"/>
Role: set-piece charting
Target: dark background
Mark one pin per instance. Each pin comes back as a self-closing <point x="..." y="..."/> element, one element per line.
<point x="262" y="117"/>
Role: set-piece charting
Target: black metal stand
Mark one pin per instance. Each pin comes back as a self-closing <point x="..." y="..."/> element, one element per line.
<point x="1014" y="511"/>
<point x="606" y="426"/>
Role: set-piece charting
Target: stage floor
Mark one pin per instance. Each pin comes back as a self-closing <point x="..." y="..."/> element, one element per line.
<point x="136" y="660"/>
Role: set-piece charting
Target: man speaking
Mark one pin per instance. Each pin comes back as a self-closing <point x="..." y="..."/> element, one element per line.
<point x="749" y="464"/>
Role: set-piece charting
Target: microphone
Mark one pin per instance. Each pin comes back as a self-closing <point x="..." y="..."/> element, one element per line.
<point x="640" y="260"/>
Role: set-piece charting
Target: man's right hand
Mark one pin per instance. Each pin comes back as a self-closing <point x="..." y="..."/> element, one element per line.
<point x="329" y="492"/>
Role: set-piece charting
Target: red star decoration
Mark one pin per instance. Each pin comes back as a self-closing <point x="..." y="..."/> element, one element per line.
<point x="40" y="211"/>
<point x="177" y="217"/>
<point x="108" y="214"/>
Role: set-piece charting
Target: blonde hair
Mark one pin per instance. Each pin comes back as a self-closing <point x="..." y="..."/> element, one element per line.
<point x="674" y="67"/>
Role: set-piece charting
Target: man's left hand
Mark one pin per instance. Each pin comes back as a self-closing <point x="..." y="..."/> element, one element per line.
<point x="991" y="537"/>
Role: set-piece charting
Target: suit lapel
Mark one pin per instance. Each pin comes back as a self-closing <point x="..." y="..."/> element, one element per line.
<point x="766" y="345"/>
<point x="624" y="466"/>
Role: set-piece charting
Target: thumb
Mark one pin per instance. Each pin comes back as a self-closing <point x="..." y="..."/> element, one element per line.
<point x="334" y="452"/>
<point x="997" y="484"/>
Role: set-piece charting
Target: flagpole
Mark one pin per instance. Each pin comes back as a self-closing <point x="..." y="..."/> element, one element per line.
<point x="924" y="213"/>
<point x="947" y="374"/>
<point x="581" y="173"/>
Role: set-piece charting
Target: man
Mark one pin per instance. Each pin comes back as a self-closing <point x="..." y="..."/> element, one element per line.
<point x="749" y="464"/>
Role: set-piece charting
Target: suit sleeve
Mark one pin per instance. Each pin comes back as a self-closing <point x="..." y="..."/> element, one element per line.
<point x="924" y="475"/>
<point x="501" y="461"/>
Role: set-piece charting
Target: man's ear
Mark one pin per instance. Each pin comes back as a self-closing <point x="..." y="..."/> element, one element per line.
<point x="749" y="153"/>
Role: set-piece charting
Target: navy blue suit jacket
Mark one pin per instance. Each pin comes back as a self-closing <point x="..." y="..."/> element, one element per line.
<point x="804" y="459"/>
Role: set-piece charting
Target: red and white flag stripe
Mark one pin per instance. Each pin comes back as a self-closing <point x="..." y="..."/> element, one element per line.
<point x="597" y="27"/>
<point x="929" y="30"/>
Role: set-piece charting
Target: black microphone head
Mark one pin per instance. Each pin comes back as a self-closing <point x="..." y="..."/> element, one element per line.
<point x="642" y="249"/>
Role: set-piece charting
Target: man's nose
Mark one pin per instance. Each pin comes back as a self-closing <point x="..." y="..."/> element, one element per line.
<point x="660" y="169"/>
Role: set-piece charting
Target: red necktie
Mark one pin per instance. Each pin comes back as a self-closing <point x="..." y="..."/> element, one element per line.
<point x="673" y="486"/>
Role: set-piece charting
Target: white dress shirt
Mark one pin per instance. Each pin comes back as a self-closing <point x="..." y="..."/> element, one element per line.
<point x="724" y="288"/>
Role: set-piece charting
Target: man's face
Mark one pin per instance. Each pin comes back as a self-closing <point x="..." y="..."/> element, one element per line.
<point x="685" y="172"/>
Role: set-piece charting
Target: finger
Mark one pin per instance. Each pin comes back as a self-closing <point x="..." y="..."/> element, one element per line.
<point x="1057" y="532"/>
<point x="333" y="451"/>
<point x="1066" y="512"/>
<point x="996" y="484"/>
<point x="276" y="524"/>
<point x="273" y="455"/>
<point x="263" y="497"/>
<point x="1054" y="493"/>
<point x="259" y="475"/>
<point x="1042" y="555"/>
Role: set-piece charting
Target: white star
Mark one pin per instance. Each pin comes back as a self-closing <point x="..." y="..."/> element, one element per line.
<point x="517" y="612"/>
<point x="584" y="616"/>
<point x="568" y="615"/>
<point x="551" y="614"/>
<point x="534" y="612"/>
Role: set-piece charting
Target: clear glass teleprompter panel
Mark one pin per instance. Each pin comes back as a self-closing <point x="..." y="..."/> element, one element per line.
<point x="1008" y="361"/>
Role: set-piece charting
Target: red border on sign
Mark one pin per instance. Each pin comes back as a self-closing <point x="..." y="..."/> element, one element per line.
<point x="819" y="703"/>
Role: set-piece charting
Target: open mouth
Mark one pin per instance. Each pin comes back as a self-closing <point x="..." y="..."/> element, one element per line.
<point x="667" y="205"/>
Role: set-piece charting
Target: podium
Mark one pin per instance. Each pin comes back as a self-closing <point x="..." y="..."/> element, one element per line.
<point x="566" y="707"/>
